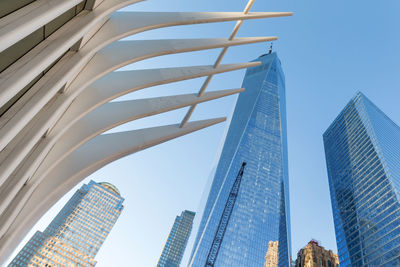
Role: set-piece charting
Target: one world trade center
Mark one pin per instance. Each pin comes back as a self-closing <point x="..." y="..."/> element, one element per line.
<point x="260" y="212"/>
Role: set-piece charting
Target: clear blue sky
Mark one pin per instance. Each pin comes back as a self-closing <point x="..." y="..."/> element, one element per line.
<point x="328" y="49"/>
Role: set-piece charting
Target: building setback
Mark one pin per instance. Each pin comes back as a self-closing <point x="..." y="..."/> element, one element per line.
<point x="76" y="234"/>
<point x="314" y="255"/>
<point x="362" y="149"/>
<point x="257" y="136"/>
<point x="174" y="248"/>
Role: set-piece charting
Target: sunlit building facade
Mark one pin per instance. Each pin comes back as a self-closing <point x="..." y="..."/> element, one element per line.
<point x="76" y="234"/>
<point x="315" y="255"/>
<point x="362" y="148"/>
<point x="257" y="136"/>
<point x="177" y="240"/>
<point x="271" y="258"/>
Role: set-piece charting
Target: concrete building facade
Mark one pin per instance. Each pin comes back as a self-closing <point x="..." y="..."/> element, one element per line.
<point x="271" y="258"/>
<point x="315" y="255"/>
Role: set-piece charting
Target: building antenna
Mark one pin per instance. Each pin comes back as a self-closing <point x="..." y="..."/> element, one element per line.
<point x="270" y="49"/>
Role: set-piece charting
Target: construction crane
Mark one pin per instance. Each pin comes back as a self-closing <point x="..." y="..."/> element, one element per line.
<point x="223" y="222"/>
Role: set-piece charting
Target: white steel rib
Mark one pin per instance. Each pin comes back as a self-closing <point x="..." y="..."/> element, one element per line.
<point x="23" y="71"/>
<point x="120" y="25"/>
<point x="218" y="61"/>
<point x="93" y="155"/>
<point x="96" y="122"/>
<point x="26" y="20"/>
<point x="110" y="58"/>
<point x="106" y="89"/>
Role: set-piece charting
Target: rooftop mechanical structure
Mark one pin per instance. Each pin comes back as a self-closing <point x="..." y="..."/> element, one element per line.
<point x="57" y="63"/>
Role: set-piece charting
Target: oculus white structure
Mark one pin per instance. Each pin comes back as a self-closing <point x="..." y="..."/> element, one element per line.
<point x="57" y="59"/>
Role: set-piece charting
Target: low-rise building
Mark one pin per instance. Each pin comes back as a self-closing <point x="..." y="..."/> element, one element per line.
<point x="271" y="258"/>
<point x="315" y="255"/>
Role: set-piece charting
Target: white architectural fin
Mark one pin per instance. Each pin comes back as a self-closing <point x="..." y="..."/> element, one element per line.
<point x="52" y="151"/>
<point x="27" y="209"/>
<point x="23" y="138"/>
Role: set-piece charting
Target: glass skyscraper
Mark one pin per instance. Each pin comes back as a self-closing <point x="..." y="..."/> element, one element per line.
<point x="76" y="234"/>
<point x="362" y="149"/>
<point x="257" y="136"/>
<point x="177" y="240"/>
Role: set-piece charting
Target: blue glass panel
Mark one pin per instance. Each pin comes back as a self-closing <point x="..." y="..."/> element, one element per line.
<point x="362" y="148"/>
<point x="174" y="248"/>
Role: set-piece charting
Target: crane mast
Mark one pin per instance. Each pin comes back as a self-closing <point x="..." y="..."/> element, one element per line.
<point x="223" y="222"/>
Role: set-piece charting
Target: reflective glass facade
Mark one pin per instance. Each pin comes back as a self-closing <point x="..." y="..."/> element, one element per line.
<point x="177" y="240"/>
<point x="76" y="234"/>
<point x="257" y="136"/>
<point x="362" y="149"/>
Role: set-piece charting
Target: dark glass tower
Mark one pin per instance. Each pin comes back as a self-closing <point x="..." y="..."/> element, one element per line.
<point x="362" y="149"/>
<point x="177" y="240"/>
<point x="257" y="136"/>
<point x="76" y="234"/>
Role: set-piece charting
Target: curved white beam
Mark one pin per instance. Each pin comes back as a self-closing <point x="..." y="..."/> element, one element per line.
<point x="102" y="91"/>
<point x="119" y="54"/>
<point x="108" y="59"/>
<point x="108" y="88"/>
<point x="218" y="61"/>
<point x="123" y="24"/>
<point x="120" y="83"/>
<point x="113" y="114"/>
<point x="93" y="155"/>
<point x="25" y="113"/>
<point x="96" y="122"/>
<point x="120" y="25"/>
<point x="22" y="72"/>
<point x="26" y="20"/>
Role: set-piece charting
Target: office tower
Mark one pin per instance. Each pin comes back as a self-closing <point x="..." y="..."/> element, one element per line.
<point x="257" y="136"/>
<point x="314" y="255"/>
<point x="271" y="258"/>
<point x="362" y="149"/>
<point x="76" y="234"/>
<point x="174" y="248"/>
